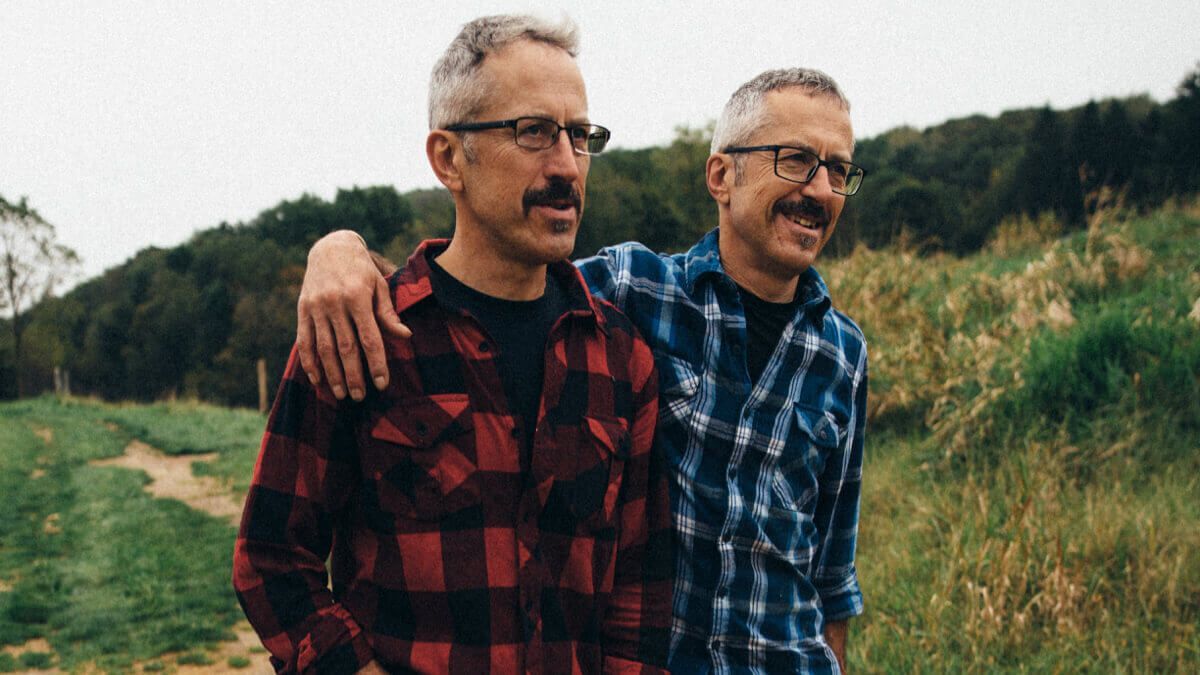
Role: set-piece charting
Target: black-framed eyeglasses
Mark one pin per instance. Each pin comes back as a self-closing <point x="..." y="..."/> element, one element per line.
<point x="539" y="133"/>
<point x="799" y="166"/>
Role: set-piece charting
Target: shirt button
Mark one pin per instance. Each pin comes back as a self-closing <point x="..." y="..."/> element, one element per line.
<point x="722" y="592"/>
<point x="484" y="347"/>
<point x="732" y="473"/>
<point x="421" y="428"/>
<point x="727" y="537"/>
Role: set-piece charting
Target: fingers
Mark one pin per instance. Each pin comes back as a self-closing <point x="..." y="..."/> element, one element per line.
<point x="368" y="335"/>
<point x="340" y="298"/>
<point x="306" y="346"/>
<point x="329" y="352"/>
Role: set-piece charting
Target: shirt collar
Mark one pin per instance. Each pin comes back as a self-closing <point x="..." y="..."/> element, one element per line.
<point x="704" y="261"/>
<point x="411" y="284"/>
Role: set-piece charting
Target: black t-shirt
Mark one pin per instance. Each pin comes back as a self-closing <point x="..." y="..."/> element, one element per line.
<point x="519" y="329"/>
<point x="765" y="322"/>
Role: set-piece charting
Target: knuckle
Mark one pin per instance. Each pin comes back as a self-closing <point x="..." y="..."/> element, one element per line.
<point x="325" y="348"/>
<point x="346" y="346"/>
<point x="370" y="342"/>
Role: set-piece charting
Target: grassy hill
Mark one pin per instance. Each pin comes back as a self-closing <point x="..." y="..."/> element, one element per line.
<point x="1032" y="499"/>
<point x="1032" y="493"/>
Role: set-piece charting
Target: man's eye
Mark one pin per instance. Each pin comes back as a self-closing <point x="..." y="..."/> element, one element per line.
<point x="578" y="133"/>
<point x="795" y="158"/>
<point x="536" y="130"/>
<point x="841" y="170"/>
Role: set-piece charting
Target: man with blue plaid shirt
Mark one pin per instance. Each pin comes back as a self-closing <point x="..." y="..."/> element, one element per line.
<point x="763" y="384"/>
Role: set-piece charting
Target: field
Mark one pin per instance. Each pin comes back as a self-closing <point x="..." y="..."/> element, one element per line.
<point x="1032" y="488"/>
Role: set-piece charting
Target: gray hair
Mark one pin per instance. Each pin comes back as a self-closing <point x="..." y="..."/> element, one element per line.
<point x="744" y="113"/>
<point x="458" y="89"/>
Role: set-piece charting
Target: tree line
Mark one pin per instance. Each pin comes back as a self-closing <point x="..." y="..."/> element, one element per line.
<point x="193" y="319"/>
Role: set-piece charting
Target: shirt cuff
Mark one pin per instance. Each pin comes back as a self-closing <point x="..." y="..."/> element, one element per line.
<point x="336" y="646"/>
<point x="843" y="601"/>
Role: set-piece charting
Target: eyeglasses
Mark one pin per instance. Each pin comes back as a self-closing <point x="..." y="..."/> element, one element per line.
<point x="538" y="133"/>
<point x="799" y="166"/>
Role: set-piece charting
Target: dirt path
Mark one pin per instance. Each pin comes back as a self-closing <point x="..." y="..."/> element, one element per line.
<point x="171" y="477"/>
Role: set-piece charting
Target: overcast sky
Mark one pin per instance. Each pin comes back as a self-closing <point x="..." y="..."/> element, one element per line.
<point x="130" y="124"/>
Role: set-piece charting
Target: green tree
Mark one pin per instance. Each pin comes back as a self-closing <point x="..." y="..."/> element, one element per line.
<point x="32" y="265"/>
<point x="1181" y="126"/>
<point x="1087" y="147"/>
<point x="1047" y="181"/>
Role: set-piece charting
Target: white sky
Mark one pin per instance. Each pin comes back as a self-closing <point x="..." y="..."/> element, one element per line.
<point x="129" y="124"/>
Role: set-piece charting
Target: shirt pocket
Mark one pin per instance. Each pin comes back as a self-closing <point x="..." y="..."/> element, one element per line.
<point x="419" y="460"/>
<point x="817" y="433"/>
<point x="591" y="467"/>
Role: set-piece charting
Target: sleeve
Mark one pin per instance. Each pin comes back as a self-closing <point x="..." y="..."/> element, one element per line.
<point x="836" y="515"/>
<point x="305" y="472"/>
<point x="599" y="273"/>
<point x="636" y="631"/>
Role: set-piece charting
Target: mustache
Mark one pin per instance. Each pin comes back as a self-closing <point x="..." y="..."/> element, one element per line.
<point x="804" y="207"/>
<point x="556" y="191"/>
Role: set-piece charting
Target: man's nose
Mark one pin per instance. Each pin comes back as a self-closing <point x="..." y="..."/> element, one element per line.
<point x="561" y="158"/>
<point x="818" y="187"/>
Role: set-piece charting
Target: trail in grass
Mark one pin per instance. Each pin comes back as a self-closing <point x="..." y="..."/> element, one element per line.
<point x="172" y="478"/>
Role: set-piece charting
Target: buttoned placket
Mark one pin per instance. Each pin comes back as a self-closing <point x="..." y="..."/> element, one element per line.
<point x="530" y="574"/>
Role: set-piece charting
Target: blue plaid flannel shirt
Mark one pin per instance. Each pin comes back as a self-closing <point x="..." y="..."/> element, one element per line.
<point x="766" y="475"/>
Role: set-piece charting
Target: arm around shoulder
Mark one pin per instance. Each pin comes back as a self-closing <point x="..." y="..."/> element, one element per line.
<point x="344" y="302"/>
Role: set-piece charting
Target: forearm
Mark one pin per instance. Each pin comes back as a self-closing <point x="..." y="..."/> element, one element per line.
<point x="273" y="586"/>
<point x="835" y="636"/>
<point x="300" y="483"/>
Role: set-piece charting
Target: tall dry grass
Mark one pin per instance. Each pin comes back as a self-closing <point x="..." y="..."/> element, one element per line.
<point x="1031" y="496"/>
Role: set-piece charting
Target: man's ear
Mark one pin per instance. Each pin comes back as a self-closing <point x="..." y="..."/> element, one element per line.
<point x="445" y="153"/>
<point x="719" y="174"/>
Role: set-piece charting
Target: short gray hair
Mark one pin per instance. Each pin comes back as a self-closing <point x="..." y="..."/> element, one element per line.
<point x="457" y="89"/>
<point x="743" y="114"/>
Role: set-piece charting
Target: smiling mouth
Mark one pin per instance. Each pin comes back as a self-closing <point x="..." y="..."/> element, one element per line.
<point x="807" y="215"/>
<point x="803" y="221"/>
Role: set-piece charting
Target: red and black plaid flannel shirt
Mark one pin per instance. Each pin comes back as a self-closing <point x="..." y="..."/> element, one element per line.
<point x="449" y="552"/>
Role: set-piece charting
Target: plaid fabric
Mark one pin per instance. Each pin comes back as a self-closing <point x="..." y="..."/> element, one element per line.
<point x="448" y="555"/>
<point x="766" y="474"/>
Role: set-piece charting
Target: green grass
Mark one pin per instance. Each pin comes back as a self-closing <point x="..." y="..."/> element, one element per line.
<point x="121" y="576"/>
<point x="197" y="428"/>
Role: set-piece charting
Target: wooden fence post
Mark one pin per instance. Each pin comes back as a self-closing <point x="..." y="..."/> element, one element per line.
<point x="262" y="385"/>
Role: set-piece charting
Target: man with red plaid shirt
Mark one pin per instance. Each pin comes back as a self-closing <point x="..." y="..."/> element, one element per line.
<point x="495" y="508"/>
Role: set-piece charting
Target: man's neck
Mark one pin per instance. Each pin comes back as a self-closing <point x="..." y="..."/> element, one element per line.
<point x="479" y="268"/>
<point x="759" y="281"/>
